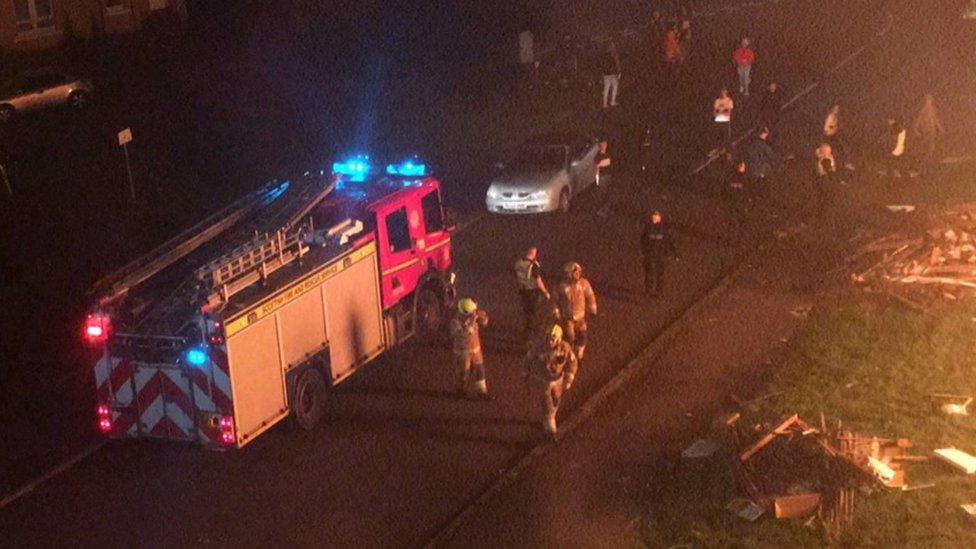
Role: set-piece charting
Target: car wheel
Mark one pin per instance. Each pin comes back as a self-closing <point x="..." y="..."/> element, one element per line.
<point x="308" y="405"/>
<point x="7" y="113"/>
<point x="564" y="201"/>
<point x="79" y="99"/>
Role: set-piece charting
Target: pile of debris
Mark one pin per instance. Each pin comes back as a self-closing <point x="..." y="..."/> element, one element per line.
<point x="936" y="260"/>
<point x="795" y="470"/>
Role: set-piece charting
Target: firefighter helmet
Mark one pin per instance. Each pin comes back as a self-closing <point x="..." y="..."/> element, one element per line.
<point x="467" y="306"/>
<point x="556" y="333"/>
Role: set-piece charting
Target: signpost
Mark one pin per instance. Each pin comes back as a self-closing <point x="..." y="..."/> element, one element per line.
<point x="125" y="137"/>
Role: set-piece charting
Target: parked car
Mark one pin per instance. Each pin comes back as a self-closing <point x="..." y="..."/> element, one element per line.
<point x="42" y="89"/>
<point x="545" y="175"/>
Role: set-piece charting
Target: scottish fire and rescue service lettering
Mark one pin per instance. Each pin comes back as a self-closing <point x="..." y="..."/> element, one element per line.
<point x="296" y="290"/>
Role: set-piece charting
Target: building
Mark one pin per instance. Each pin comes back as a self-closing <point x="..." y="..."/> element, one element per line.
<point x="30" y="25"/>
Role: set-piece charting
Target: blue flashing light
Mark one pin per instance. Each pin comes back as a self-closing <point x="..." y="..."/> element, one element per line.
<point x="408" y="168"/>
<point x="197" y="356"/>
<point x="355" y="169"/>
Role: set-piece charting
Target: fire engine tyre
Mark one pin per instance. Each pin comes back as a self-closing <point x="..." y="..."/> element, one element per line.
<point x="429" y="316"/>
<point x="563" y="205"/>
<point x="308" y="405"/>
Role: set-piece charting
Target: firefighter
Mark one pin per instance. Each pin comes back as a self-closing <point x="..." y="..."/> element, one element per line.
<point x="468" y="359"/>
<point x="576" y="299"/>
<point x="656" y="246"/>
<point x="532" y="289"/>
<point x="550" y="366"/>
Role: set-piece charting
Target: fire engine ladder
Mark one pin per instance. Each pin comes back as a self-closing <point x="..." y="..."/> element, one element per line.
<point x="266" y="253"/>
<point x="118" y="283"/>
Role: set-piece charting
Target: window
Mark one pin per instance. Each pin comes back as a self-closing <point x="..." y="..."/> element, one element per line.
<point x="33" y="15"/>
<point x="433" y="216"/>
<point x="398" y="231"/>
<point x="116" y="6"/>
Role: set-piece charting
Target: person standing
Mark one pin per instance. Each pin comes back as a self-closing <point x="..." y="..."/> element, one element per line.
<point x="827" y="174"/>
<point x="895" y="146"/>
<point x="527" y="62"/>
<point x="468" y="359"/>
<point x="760" y="158"/>
<point x="928" y="126"/>
<point x="771" y="106"/>
<point x="532" y="289"/>
<point x="684" y="31"/>
<point x="737" y="198"/>
<point x="575" y="299"/>
<point x="743" y="58"/>
<point x="603" y="163"/>
<point x="722" y="114"/>
<point x="550" y="367"/>
<point x="656" y="246"/>
<point x="672" y="49"/>
<point x="611" y="76"/>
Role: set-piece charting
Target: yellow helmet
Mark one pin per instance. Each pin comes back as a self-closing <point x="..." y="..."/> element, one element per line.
<point x="571" y="267"/>
<point x="467" y="306"/>
<point x="556" y="332"/>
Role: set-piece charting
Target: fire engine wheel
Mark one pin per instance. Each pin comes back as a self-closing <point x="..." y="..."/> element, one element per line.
<point x="430" y="316"/>
<point x="308" y="406"/>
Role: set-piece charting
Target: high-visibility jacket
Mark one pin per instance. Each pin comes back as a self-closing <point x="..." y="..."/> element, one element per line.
<point x="466" y="332"/>
<point x="575" y="299"/>
<point x="527" y="274"/>
<point x="550" y="364"/>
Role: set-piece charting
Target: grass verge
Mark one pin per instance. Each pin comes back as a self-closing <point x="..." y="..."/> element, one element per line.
<point x="873" y="368"/>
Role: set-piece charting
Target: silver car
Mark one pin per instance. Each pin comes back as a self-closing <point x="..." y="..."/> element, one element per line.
<point x="545" y="175"/>
<point x="42" y="89"/>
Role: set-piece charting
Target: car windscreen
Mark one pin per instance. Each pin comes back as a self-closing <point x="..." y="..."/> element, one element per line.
<point x="536" y="158"/>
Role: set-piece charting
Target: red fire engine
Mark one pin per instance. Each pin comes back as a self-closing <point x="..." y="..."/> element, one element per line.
<point x="248" y="317"/>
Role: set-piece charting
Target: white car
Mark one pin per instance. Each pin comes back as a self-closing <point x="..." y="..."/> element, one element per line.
<point x="42" y="89"/>
<point x="545" y="175"/>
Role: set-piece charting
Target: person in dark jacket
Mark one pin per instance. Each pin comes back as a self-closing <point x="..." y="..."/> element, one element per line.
<point x="738" y="199"/>
<point x="611" y="76"/>
<point x="760" y="159"/>
<point x="771" y="105"/>
<point x="656" y="246"/>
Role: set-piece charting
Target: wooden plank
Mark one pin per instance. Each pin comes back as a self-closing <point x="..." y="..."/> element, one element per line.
<point x="798" y="506"/>
<point x="779" y="430"/>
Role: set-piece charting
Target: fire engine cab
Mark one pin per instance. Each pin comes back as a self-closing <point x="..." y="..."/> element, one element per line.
<point x="248" y="317"/>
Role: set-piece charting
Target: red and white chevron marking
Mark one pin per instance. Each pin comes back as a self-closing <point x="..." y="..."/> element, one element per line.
<point x="165" y="402"/>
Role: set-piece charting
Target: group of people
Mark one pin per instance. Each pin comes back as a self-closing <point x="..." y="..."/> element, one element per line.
<point x="554" y="328"/>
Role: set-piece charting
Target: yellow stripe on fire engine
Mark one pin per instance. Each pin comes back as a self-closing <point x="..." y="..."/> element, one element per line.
<point x="297" y="289"/>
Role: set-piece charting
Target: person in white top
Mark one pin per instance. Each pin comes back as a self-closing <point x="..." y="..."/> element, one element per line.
<point x="722" y="114"/>
<point x="832" y="122"/>
<point x="897" y="135"/>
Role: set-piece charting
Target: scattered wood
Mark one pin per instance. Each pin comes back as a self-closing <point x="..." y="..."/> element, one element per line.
<point x="958" y="459"/>
<point x="798" y="506"/>
<point x="935" y="260"/>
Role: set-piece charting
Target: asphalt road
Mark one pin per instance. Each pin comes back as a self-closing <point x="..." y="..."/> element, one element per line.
<point x="401" y="455"/>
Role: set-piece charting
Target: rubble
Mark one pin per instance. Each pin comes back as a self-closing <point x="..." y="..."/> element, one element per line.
<point x="796" y="470"/>
<point x="934" y="260"/>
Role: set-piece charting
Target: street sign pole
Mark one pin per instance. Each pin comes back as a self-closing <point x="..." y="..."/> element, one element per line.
<point x="125" y="137"/>
<point x="128" y="171"/>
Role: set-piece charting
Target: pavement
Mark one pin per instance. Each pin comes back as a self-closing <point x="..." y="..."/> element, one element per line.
<point x="401" y="458"/>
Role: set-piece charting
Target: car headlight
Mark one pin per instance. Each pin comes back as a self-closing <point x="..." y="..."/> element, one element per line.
<point x="492" y="193"/>
<point x="539" y="195"/>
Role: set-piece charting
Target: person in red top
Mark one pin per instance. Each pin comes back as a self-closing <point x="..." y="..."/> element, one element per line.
<point x="743" y="58"/>
<point x="672" y="47"/>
